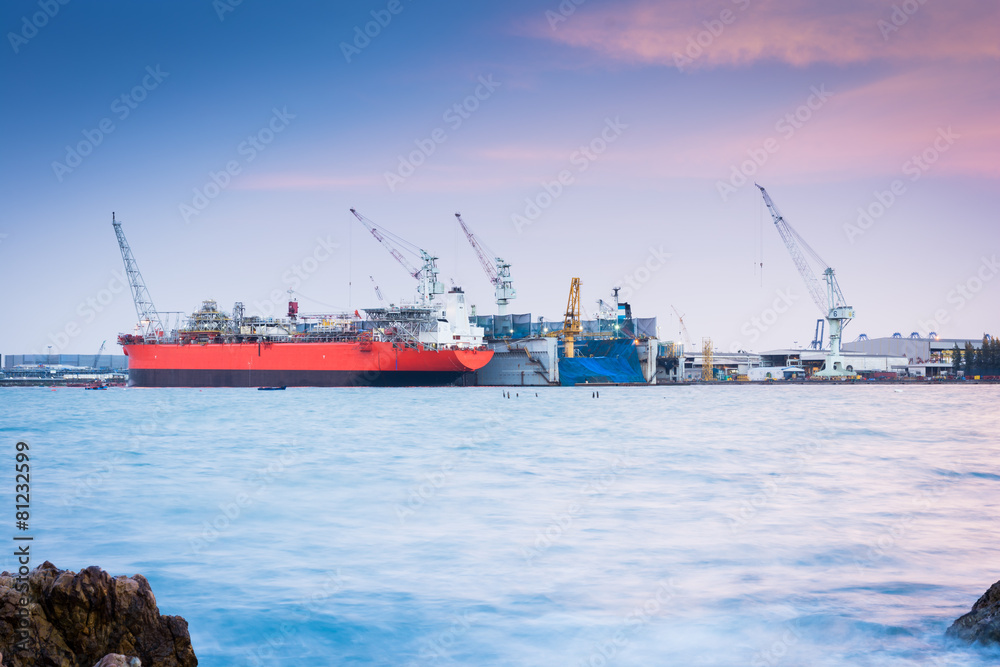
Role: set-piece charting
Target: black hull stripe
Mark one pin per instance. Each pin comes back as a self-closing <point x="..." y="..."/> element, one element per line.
<point x="139" y="377"/>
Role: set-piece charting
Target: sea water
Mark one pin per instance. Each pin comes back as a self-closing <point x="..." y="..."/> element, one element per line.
<point x="681" y="525"/>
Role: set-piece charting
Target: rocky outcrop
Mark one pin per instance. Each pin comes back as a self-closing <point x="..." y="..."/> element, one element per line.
<point x="76" y="619"/>
<point x="118" y="660"/>
<point x="982" y="624"/>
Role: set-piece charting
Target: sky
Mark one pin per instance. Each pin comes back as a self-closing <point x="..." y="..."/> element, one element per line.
<point x="617" y="142"/>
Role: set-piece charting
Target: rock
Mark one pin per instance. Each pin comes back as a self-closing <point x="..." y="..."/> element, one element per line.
<point x="982" y="624"/>
<point x="77" y="620"/>
<point x="118" y="660"/>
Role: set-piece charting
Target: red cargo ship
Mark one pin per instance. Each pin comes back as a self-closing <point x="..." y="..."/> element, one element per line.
<point x="296" y="364"/>
<point x="409" y="346"/>
<point x="428" y="344"/>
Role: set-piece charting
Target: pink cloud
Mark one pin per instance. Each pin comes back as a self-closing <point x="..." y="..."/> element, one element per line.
<point x="872" y="129"/>
<point x="797" y="32"/>
<point x="869" y="130"/>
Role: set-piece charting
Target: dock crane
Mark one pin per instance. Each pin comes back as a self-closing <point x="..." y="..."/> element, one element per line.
<point x="817" y="341"/>
<point x="684" y="329"/>
<point x="571" y="320"/>
<point x="149" y="319"/>
<point x="378" y="292"/>
<point x="97" y="357"/>
<point x="572" y="327"/>
<point x="427" y="274"/>
<point x="830" y="300"/>
<point x="498" y="271"/>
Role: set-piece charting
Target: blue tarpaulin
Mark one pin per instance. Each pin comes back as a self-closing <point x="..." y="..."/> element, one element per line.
<point x="612" y="361"/>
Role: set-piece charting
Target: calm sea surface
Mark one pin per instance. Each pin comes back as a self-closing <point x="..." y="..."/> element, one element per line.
<point x="783" y="525"/>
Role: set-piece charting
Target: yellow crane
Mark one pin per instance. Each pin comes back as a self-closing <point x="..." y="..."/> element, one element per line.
<point x="571" y="321"/>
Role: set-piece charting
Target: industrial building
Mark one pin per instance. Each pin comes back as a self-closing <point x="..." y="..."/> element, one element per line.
<point x="925" y="357"/>
<point x="63" y="369"/>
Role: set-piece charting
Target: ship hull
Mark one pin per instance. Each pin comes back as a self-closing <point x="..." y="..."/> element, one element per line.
<point x="313" y="364"/>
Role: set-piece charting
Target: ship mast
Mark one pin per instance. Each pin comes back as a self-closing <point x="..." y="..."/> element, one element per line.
<point x="149" y="319"/>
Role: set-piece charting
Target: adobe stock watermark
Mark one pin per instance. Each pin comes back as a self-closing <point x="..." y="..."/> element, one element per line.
<point x="454" y="116"/>
<point x="580" y="159"/>
<point x="223" y="7"/>
<point x="423" y="493"/>
<point x="778" y="650"/>
<point x="248" y="149"/>
<point x="642" y="274"/>
<point x="37" y="21"/>
<point x="381" y="18"/>
<point x="265" y="652"/>
<point x="700" y="41"/>
<point x="915" y="167"/>
<point x="963" y="293"/>
<point x="88" y="310"/>
<point x="439" y="647"/>
<point x="563" y="521"/>
<point x="654" y="605"/>
<point x="899" y="17"/>
<point x="890" y="539"/>
<point x="140" y="431"/>
<point x="751" y="506"/>
<point x="298" y="273"/>
<point x="86" y="486"/>
<point x="230" y="511"/>
<point x="565" y="9"/>
<point x="122" y="107"/>
<point x="786" y="126"/>
<point x="768" y="317"/>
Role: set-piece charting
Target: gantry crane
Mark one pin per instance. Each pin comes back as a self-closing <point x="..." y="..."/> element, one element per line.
<point x="149" y="319"/>
<point x="427" y="274"/>
<point x="830" y="301"/>
<point x="817" y="341"/>
<point x="498" y="271"/>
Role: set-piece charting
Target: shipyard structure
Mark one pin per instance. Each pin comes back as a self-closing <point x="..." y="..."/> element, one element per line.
<point x="440" y="339"/>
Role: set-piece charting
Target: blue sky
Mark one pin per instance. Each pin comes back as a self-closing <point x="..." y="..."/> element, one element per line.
<point x="673" y="104"/>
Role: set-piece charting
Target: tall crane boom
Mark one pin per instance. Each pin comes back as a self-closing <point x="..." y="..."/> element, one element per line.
<point x="684" y="329"/>
<point x="491" y="272"/>
<point x="149" y="318"/>
<point x="378" y="292"/>
<point x="427" y="274"/>
<point x="830" y="301"/>
<point x="571" y="320"/>
<point x="375" y="231"/>
<point x="497" y="272"/>
<point x="796" y="244"/>
<point x="97" y="357"/>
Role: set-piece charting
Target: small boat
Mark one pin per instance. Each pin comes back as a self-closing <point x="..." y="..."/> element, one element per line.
<point x="270" y="388"/>
<point x="95" y="385"/>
